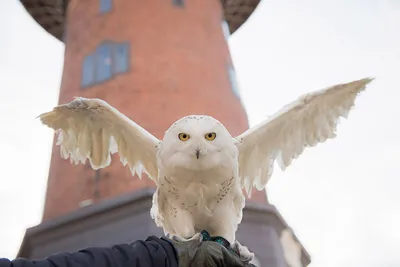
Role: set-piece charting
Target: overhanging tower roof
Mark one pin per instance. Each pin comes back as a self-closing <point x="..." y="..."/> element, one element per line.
<point x="51" y="14"/>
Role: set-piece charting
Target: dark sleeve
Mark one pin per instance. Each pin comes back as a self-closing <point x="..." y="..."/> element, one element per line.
<point x="153" y="252"/>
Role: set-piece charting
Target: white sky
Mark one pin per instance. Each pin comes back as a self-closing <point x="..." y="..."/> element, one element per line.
<point x="340" y="197"/>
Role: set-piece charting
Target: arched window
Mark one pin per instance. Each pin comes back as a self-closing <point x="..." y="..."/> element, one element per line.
<point x="108" y="60"/>
<point x="179" y="3"/>
<point x="105" y="6"/>
<point x="121" y="58"/>
<point x="104" y="61"/>
<point x="88" y="71"/>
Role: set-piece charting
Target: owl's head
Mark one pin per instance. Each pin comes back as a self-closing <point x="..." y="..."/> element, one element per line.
<point x="197" y="142"/>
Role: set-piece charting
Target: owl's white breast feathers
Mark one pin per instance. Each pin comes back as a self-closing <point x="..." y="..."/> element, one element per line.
<point x="305" y="122"/>
<point x="92" y="129"/>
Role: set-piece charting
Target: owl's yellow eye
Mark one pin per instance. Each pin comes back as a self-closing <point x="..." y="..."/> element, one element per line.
<point x="210" y="136"/>
<point x="183" y="136"/>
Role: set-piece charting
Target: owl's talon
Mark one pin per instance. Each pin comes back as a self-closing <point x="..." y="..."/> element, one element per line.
<point x="197" y="236"/>
<point x="244" y="253"/>
<point x="178" y="238"/>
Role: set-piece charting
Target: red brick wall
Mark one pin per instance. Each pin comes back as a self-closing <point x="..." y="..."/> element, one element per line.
<point x="178" y="66"/>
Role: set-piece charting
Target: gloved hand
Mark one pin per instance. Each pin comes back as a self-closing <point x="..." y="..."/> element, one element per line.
<point x="198" y="253"/>
<point x="213" y="254"/>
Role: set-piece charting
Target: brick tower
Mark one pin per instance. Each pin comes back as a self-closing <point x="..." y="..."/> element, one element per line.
<point x="155" y="61"/>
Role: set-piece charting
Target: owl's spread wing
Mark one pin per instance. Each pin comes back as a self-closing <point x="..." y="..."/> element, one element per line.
<point x="92" y="129"/>
<point x="305" y="122"/>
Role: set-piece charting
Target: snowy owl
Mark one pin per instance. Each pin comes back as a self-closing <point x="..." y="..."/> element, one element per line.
<point x="199" y="169"/>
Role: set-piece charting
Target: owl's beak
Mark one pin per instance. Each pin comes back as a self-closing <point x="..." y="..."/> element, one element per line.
<point x="197" y="153"/>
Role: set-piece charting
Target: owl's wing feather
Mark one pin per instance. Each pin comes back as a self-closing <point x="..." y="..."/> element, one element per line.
<point x="92" y="129"/>
<point x="309" y="120"/>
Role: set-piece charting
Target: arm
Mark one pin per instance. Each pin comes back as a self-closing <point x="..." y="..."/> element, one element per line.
<point x="153" y="252"/>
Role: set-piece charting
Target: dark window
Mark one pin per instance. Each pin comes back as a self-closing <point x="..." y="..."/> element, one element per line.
<point x="105" y="6"/>
<point x="232" y="79"/>
<point x="88" y="71"/>
<point x="179" y="3"/>
<point x="104" y="62"/>
<point x="121" y="58"/>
